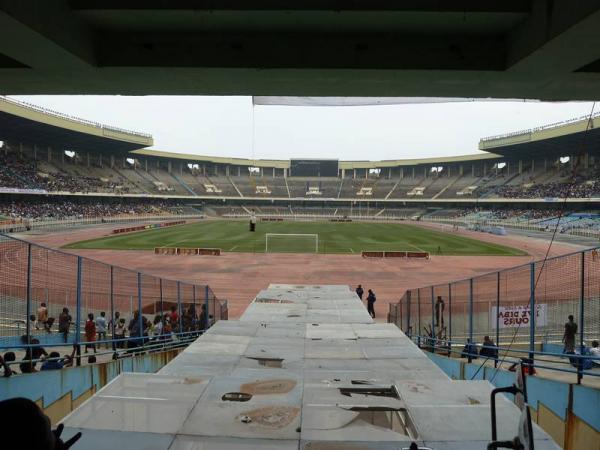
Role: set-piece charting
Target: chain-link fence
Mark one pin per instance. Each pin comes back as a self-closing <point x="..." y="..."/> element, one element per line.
<point x="499" y="305"/>
<point x="60" y="298"/>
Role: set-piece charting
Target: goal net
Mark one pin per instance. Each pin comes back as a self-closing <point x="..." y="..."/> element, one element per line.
<point x="291" y="243"/>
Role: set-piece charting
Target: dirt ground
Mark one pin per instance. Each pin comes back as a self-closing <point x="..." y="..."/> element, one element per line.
<point x="238" y="277"/>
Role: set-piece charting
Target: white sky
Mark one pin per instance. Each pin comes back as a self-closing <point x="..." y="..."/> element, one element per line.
<point x="223" y="126"/>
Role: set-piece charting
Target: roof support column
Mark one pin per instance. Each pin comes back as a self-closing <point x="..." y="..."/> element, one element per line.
<point x="461" y="170"/>
<point x="99" y="159"/>
<point x="146" y="164"/>
<point x="88" y="159"/>
<point x="239" y="171"/>
<point x="354" y="176"/>
<point x="401" y="172"/>
<point x="425" y="172"/>
<point x="413" y="171"/>
<point x="169" y="166"/>
<point x="343" y="173"/>
<point x="520" y="167"/>
<point x="389" y="173"/>
<point x="473" y="170"/>
<point x="49" y="154"/>
<point x="532" y="165"/>
<point x="34" y="152"/>
<point x="273" y="172"/>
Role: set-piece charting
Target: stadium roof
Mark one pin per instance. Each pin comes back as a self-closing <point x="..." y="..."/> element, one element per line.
<point x="23" y="122"/>
<point x="564" y="138"/>
<point x="284" y="164"/>
<point x="412" y="48"/>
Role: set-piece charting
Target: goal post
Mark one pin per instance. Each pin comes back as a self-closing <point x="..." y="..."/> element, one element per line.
<point x="291" y="243"/>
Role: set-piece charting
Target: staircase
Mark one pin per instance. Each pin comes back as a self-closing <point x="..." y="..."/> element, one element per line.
<point x="184" y="184"/>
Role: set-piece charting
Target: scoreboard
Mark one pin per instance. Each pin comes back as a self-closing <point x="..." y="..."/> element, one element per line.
<point x="314" y="167"/>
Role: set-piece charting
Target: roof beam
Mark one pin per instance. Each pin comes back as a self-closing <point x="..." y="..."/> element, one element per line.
<point x="437" y="6"/>
<point x="302" y="50"/>
<point x="46" y="35"/>
<point x="558" y="38"/>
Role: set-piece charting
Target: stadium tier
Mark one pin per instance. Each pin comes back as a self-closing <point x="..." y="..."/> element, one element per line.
<point x="546" y="164"/>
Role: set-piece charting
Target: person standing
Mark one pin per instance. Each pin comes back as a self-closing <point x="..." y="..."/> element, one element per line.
<point x="64" y="322"/>
<point x="360" y="291"/>
<point x="569" y="336"/>
<point x="439" y="311"/>
<point x="253" y="222"/>
<point x="42" y="317"/>
<point x="371" y="299"/>
<point x="101" y="327"/>
<point x="90" y="333"/>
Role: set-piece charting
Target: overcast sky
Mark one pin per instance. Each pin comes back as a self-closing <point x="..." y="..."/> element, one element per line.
<point x="231" y="126"/>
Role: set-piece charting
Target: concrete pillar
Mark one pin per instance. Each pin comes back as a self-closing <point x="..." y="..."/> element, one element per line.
<point x="401" y="172"/>
<point x="425" y="171"/>
<point x="88" y="159"/>
<point x="413" y="171"/>
<point x="343" y="173"/>
<point x="273" y="172"/>
<point x="520" y="167"/>
<point x="461" y="170"/>
<point x="35" y="152"/>
<point x="484" y="169"/>
<point x="169" y="166"/>
<point x="49" y="154"/>
<point x="354" y="176"/>
<point x="239" y="171"/>
<point x="99" y="159"/>
<point x="389" y="173"/>
<point x="146" y="164"/>
<point x="473" y="170"/>
<point x="532" y="165"/>
<point x="112" y="161"/>
<point x="366" y="173"/>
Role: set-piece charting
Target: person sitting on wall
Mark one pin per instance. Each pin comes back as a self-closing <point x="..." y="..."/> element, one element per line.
<point x="7" y="371"/>
<point x="17" y="413"/>
<point x="489" y="349"/>
<point x="469" y="350"/>
<point x="53" y="362"/>
<point x="595" y="353"/>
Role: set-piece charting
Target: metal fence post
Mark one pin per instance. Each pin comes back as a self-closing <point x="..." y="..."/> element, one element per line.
<point x="450" y="316"/>
<point x="408" y="324"/>
<point x="433" y="335"/>
<point x="532" y="312"/>
<point x="470" y="347"/>
<point x="497" y="317"/>
<point x="419" y="317"/>
<point x="140" y="314"/>
<point x="207" y="312"/>
<point x="28" y="306"/>
<point x="194" y="323"/>
<point x="78" y="309"/>
<point x="581" y="318"/>
<point x="179" y="304"/>
<point x="162" y="307"/>
<point x="112" y="309"/>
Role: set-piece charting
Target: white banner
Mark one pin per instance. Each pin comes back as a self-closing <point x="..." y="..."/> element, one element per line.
<point x="517" y="316"/>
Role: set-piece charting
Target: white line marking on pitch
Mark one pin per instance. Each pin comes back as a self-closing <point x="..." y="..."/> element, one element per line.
<point x="351" y="249"/>
<point x="233" y="248"/>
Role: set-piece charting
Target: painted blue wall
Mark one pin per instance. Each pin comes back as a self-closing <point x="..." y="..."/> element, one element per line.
<point x="51" y="385"/>
<point x="553" y="394"/>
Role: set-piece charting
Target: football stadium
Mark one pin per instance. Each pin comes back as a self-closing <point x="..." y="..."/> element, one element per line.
<point x="163" y="299"/>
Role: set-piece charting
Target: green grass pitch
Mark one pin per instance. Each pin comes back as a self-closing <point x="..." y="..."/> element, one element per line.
<point x="352" y="237"/>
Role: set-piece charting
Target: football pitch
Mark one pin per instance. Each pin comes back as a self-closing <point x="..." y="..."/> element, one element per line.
<point x="352" y="237"/>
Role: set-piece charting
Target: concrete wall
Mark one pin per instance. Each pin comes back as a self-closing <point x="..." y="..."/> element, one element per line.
<point x="570" y="413"/>
<point x="58" y="392"/>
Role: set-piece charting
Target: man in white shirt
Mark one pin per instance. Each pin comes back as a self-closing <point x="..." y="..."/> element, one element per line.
<point x="595" y="352"/>
<point x="101" y="327"/>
